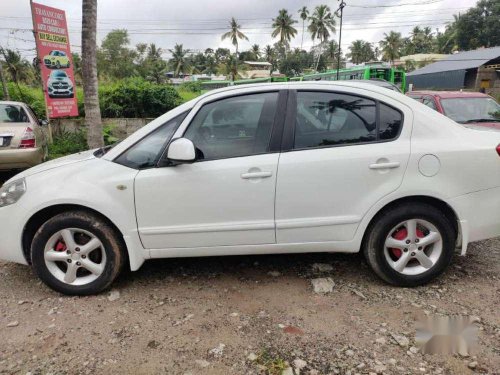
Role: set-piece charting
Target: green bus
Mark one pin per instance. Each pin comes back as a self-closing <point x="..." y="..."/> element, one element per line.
<point x="393" y="75"/>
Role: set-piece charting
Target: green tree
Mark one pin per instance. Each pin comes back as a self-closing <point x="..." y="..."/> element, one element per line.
<point x="18" y="68"/>
<point x="179" y="62"/>
<point x="283" y="27"/>
<point x="115" y="59"/>
<point x="321" y="25"/>
<point x="304" y="15"/>
<point x="234" y="34"/>
<point x="479" y="26"/>
<point x="255" y="51"/>
<point x="391" y="46"/>
<point x="361" y="51"/>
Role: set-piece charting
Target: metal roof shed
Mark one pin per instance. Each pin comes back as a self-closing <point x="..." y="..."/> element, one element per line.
<point x="452" y="72"/>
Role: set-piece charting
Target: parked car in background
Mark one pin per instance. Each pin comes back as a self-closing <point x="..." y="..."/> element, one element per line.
<point x="59" y="85"/>
<point x="23" y="143"/>
<point x="361" y="168"/>
<point x="56" y="59"/>
<point x="472" y="109"/>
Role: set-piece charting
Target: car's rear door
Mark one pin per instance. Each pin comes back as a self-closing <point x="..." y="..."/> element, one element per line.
<point x="343" y="151"/>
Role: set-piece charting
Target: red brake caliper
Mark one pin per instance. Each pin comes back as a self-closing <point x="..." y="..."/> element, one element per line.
<point x="401" y="234"/>
<point x="60" y="246"/>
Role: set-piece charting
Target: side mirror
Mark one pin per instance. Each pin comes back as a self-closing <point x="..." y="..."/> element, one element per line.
<point x="181" y="150"/>
<point x="44" y="122"/>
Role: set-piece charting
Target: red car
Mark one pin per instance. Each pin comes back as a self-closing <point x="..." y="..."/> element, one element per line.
<point x="469" y="108"/>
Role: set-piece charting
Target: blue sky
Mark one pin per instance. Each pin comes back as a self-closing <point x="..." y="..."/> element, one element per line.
<point x="199" y="24"/>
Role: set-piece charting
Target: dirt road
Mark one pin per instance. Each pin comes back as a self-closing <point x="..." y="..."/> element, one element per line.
<point x="247" y="315"/>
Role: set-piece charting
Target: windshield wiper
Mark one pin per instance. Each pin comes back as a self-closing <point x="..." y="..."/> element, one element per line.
<point x="480" y="120"/>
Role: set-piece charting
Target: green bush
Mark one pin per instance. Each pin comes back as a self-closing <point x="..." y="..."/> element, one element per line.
<point x="133" y="97"/>
<point x="33" y="96"/>
<point x="67" y="143"/>
<point x="194" y="86"/>
<point x="137" y="98"/>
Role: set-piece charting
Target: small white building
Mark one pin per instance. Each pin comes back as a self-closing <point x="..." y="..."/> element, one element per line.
<point x="256" y="69"/>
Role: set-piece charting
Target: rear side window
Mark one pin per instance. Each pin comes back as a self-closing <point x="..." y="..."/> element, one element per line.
<point x="333" y="119"/>
<point x="390" y="123"/>
<point x="146" y="152"/>
<point x="325" y="119"/>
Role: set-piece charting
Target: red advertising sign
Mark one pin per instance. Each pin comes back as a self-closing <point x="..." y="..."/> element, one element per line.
<point x="56" y="62"/>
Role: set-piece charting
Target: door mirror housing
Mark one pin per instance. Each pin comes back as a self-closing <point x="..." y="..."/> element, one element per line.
<point x="43" y="122"/>
<point x="181" y="150"/>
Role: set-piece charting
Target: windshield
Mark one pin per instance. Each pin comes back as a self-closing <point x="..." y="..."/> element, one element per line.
<point x="12" y="113"/>
<point x="59" y="74"/>
<point x="467" y="110"/>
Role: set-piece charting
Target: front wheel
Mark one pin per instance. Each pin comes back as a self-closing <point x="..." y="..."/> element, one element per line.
<point x="410" y="245"/>
<point x="77" y="253"/>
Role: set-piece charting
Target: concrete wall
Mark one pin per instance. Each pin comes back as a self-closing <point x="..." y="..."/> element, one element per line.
<point x="491" y="75"/>
<point x="120" y="127"/>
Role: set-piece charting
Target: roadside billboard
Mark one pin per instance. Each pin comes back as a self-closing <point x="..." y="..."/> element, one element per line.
<point x="56" y="62"/>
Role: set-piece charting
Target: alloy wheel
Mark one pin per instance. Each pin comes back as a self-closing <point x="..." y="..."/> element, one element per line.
<point x="75" y="256"/>
<point x="413" y="247"/>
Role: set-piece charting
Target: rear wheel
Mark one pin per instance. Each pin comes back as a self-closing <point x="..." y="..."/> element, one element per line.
<point x="58" y="64"/>
<point x="77" y="253"/>
<point x="410" y="245"/>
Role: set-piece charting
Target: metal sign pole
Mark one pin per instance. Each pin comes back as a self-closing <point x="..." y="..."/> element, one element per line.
<point x="341" y="8"/>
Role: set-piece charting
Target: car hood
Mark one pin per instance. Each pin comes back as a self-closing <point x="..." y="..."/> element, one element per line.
<point x="56" y="163"/>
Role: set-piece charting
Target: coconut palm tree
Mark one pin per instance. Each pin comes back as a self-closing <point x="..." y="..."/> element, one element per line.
<point x="321" y="24"/>
<point x="179" y="60"/>
<point x="304" y="14"/>
<point x="93" y="120"/>
<point x="361" y="51"/>
<point x="255" y="50"/>
<point x="391" y="46"/>
<point x="234" y="34"/>
<point x="283" y="27"/>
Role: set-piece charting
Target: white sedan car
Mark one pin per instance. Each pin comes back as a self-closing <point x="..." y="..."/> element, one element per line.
<point x="260" y="169"/>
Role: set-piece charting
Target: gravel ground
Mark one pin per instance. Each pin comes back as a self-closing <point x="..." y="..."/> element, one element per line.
<point x="247" y="315"/>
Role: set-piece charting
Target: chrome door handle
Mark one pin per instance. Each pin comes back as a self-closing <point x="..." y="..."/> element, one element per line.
<point x="385" y="165"/>
<point x="250" y="175"/>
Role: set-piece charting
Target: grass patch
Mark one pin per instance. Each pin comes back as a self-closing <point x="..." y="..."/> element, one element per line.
<point x="273" y="363"/>
<point x="67" y="143"/>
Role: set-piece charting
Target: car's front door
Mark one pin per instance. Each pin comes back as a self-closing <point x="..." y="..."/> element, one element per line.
<point x="227" y="196"/>
<point x="344" y="153"/>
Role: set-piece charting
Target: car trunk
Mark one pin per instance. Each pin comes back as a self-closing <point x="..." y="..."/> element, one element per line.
<point x="11" y="134"/>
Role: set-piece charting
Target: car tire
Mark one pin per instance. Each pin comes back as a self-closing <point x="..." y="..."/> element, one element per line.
<point x="423" y="263"/>
<point x="52" y="253"/>
<point x="58" y="65"/>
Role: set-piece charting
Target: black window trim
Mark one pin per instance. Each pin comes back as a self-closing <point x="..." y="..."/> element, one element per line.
<point x="275" y="141"/>
<point x="290" y="123"/>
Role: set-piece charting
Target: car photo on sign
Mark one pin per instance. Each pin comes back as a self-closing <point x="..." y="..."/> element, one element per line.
<point x="56" y="60"/>
<point x="60" y="85"/>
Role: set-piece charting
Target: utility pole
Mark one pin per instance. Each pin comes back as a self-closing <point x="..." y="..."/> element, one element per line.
<point x="341" y="9"/>
<point x="6" y="95"/>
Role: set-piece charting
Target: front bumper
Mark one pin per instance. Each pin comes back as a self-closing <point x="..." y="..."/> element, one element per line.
<point x="11" y="230"/>
<point x="20" y="158"/>
<point x="479" y="215"/>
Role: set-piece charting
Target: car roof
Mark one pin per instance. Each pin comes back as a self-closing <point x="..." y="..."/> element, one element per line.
<point x="10" y="102"/>
<point x="450" y="94"/>
<point x="305" y="84"/>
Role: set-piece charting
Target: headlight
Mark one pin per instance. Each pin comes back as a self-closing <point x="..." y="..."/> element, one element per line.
<point x="10" y="193"/>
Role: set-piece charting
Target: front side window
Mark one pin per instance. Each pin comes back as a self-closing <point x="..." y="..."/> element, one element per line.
<point x="234" y="127"/>
<point x="146" y="152"/>
<point x="326" y="119"/>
